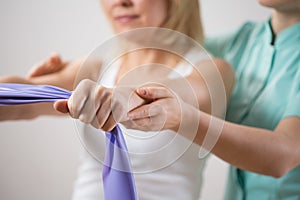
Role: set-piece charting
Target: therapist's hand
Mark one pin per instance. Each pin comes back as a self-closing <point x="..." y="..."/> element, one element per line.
<point x="50" y="65"/>
<point x="101" y="107"/>
<point x="164" y="111"/>
<point x="65" y="74"/>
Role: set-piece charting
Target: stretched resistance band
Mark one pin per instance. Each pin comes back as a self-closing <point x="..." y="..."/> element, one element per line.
<point x="118" y="180"/>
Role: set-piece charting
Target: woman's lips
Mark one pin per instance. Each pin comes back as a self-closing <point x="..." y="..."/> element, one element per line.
<point x="126" y="18"/>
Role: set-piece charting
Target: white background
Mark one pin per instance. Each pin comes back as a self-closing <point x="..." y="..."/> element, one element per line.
<point x="39" y="159"/>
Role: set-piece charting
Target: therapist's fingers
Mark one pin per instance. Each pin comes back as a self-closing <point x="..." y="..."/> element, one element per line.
<point x="61" y="106"/>
<point x="154" y="92"/>
<point x="147" y="118"/>
<point x="164" y="112"/>
<point x="155" y="123"/>
<point x="143" y="124"/>
<point x="145" y="111"/>
<point x="50" y="65"/>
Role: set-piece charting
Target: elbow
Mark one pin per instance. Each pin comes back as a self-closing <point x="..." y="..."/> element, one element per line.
<point x="287" y="159"/>
<point x="278" y="173"/>
<point x="280" y="170"/>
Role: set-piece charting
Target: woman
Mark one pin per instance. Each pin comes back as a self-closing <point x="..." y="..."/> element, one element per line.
<point x="261" y="139"/>
<point x="175" y="172"/>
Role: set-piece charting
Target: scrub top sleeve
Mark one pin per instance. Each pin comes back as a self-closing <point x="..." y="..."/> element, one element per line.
<point x="216" y="45"/>
<point x="220" y="45"/>
<point x="293" y="106"/>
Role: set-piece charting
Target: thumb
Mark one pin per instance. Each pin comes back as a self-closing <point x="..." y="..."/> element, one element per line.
<point x="152" y="93"/>
<point x="61" y="106"/>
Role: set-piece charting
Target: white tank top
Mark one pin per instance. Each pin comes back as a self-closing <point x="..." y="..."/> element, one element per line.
<point x="164" y="168"/>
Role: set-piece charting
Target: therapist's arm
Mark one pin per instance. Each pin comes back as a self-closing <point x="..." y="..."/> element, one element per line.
<point x="64" y="74"/>
<point x="262" y="151"/>
<point x="272" y="153"/>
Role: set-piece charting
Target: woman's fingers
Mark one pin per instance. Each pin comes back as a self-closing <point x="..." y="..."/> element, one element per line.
<point x="95" y="105"/>
<point x="96" y="100"/>
<point x="111" y="112"/>
<point x="110" y="123"/>
<point x="77" y="102"/>
<point x="92" y="104"/>
<point x="103" y="113"/>
<point x="101" y="107"/>
<point x="61" y="106"/>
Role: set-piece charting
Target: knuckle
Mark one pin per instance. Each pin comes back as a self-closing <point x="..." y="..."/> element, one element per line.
<point x="85" y="84"/>
<point x="143" y="122"/>
<point x="99" y="122"/>
<point x="74" y="113"/>
<point x="106" y="128"/>
<point x="102" y="92"/>
<point x="83" y="118"/>
<point x="88" y="118"/>
<point x="95" y="124"/>
<point x="109" y="126"/>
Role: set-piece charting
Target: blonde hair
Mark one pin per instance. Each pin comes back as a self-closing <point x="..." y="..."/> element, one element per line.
<point x="184" y="16"/>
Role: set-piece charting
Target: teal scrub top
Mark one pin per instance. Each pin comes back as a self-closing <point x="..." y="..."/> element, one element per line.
<point x="267" y="90"/>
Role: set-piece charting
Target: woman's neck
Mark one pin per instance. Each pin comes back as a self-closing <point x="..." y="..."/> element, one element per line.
<point x="281" y="20"/>
<point x="148" y="56"/>
<point x="131" y="71"/>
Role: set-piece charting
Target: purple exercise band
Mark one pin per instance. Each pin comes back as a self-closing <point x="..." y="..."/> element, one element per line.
<point x="118" y="180"/>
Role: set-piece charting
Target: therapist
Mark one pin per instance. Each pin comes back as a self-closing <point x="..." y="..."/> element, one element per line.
<point x="261" y="139"/>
